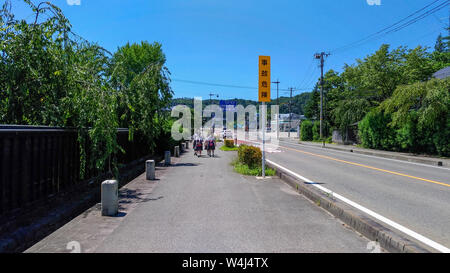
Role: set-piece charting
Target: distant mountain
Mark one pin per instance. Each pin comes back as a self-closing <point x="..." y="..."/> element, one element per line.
<point x="298" y="103"/>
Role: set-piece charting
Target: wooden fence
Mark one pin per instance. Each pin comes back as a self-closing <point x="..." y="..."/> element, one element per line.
<point x="37" y="163"/>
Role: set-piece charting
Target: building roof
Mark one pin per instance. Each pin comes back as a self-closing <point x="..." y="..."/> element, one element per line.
<point x="443" y="73"/>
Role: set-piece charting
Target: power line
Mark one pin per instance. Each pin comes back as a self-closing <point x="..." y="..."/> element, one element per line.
<point x="366" y="39"/>
<point x="307" y="72"/>
<point x="396" y="26"/>
<point x="214" y="84"/>
<point x="228" y="85"/>
<point x="312" y="78"/>
<point x="390" y="29"/>
<point x="420" y="17"/>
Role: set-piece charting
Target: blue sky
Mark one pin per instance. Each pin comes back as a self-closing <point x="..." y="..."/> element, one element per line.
<point x="219" y="41"/>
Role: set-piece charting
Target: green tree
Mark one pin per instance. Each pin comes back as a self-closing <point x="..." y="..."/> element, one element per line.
<point x="374" y="131"/>
<point x="50" y="77"/>
<point x="306" y="130"/>
<point x="424" y="108"/>
<point x="348" y="112"/>
<point x="139" y="75"/>
<point x="316" y="131"/>
<point x="440" y="45"/>
<point x="312" y="107"/>
<point x="440" y="58"/>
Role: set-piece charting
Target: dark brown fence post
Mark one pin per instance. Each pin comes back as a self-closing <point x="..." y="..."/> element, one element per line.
<point x="38" y="163"/>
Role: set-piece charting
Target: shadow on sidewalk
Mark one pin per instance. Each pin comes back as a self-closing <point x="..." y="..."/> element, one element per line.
<point x="206" y="156"/>
<point x="185" y="165"/>
<point x="313" y="183"/>
<point x="132" y="196"/>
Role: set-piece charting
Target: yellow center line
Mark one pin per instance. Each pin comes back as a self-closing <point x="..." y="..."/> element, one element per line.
<point x="369" y="167"/>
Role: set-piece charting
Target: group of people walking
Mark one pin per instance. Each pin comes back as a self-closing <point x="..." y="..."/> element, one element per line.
<point x="199" y="143"/>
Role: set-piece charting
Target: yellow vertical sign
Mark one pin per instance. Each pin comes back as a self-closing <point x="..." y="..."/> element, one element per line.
<point x="264" y="79"/>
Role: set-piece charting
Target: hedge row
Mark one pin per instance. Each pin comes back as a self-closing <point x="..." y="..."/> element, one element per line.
<point x="415" y="119"/>
<point x="310" y="131"/>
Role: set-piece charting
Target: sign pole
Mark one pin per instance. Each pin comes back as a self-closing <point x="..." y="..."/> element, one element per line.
<point x="264" y="96"/>
<point x="263" y="116"/>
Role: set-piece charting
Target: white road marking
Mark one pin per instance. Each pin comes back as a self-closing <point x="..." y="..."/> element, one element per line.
<point x="270" y="148"/>
<point x="371" y="156"/>
<point x="377" y="216"/>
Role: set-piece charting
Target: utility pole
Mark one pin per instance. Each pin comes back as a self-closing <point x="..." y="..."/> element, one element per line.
<point x="211" y="95"/>
<point x="278" y="103"/>
<point x="290" y="114"/>
<point x="320" y="56"/>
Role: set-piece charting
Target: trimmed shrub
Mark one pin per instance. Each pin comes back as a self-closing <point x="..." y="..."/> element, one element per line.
<point x="306" y="133"/>
<point x="249" y="155"/>
<point x="229" y="143"/>
<point x="407" y="135"/>
<point x="375" y="132"/>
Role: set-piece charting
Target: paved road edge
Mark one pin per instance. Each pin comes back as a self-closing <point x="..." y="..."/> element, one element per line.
<point x="374" y="230"/>
<point x="432" y="162"/>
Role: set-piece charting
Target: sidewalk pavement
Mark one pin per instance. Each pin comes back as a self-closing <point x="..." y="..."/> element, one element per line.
<point x="89" y="229"/>
<point x="435" y="161"/>
<point x="202" y="205"/>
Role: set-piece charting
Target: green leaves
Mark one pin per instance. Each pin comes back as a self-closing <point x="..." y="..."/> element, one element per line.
<point x="391" y="93"/>
<point x="138" y="73"/>
<point x="350" y="111"/>
<point x="312" y="107"/>
<point x="50" y="76"/>
<point x="416" y="118"/>
<point x="250" y="156"/>
<point x="374" y="131"/>
<point x="306" y="130"/>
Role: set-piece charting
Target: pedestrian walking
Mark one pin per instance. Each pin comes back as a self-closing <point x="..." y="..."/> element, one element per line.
<point x="199" y="146"/>
<point x="207" y="147"/>
<point x="211" y="146"/>
<point x="194" y="144"/>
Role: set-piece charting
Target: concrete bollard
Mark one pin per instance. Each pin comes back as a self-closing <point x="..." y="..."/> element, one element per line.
<point x="167" y="158"/>
<point x="183" y="147"/>
<point x="110" y="197"/>
<point x="176" y="151"/>
<point x="150" y="169"/>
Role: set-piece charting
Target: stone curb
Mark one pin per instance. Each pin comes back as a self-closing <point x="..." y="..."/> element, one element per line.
<point x="433" y="162"/>
<point x="390" y="240"/>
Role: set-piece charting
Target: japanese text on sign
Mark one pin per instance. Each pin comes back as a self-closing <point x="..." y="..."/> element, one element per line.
<point x="264" y="79"/>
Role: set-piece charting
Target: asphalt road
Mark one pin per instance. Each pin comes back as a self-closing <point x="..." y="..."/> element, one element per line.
<point x="414" y="195"/>
<point x="201" y="205"/>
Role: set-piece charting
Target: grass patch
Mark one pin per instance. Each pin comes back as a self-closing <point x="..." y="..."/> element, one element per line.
<point x="317" y="141"/>
<point x="246" y="170"/>
<point x="228" y="149"/>
<point x="320" y="141"/>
